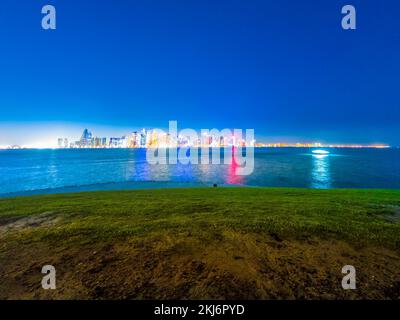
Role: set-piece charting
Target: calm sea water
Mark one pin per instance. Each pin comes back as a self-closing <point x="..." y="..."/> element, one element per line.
<point x="52" y="171"/>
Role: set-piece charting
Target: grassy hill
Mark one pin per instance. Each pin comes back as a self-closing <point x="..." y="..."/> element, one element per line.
<point x="216" y="243"/>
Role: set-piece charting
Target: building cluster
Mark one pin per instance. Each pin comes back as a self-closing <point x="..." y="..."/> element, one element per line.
<point x="153" y="138"/>
<point x="87" y="140"/>
<point x="149" y="139"/>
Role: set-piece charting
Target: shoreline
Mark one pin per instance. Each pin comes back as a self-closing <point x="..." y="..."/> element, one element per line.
<point x="158" y="185"/>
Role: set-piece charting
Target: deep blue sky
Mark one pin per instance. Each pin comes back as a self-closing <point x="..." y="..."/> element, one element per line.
<point x="285" y="68"/>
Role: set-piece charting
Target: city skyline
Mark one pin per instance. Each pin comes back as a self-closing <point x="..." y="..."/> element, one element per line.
<point x="155" y="137"/>
<point x="44" y="135"/>
<point x="148" y="138"/>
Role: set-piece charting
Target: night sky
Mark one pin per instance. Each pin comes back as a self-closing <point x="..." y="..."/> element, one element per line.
<point x="285" y="68"/>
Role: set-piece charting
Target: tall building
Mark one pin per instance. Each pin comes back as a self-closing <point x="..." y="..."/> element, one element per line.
<point x="132" y="140"/>
<point x="123" y="142"/>
<point x="143" y="137"/>
<point x="86" y="139"/>
<point x="148" y="138"/>
<point x="135" y="139"/>
<point x="97" y="142"/>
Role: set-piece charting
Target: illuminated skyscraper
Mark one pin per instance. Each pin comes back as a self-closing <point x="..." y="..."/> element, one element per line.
<point x="143" y="136"/>
<point x="86" y="138"/>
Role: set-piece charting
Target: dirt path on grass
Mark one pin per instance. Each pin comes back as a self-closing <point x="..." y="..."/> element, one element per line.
<point x="234" y="265"/>
<point x="45" y="219"/>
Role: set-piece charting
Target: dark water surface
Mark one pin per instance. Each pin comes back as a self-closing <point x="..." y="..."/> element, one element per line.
<point x="70" y="170"/>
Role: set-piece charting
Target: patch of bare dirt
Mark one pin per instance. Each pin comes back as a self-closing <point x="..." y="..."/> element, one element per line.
<point x="234" y="266"/>
<point x="16" y="223"/>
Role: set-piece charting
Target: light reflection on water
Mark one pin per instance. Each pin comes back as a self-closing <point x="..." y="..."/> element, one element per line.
<point x="320" y="175"/>
<point x="232" y="176"/>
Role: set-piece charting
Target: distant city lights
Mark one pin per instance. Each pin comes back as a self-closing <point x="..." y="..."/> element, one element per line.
<point x="149" y="138"/>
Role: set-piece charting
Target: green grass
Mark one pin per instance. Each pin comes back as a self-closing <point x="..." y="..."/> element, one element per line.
<point x="360" y="216"/>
